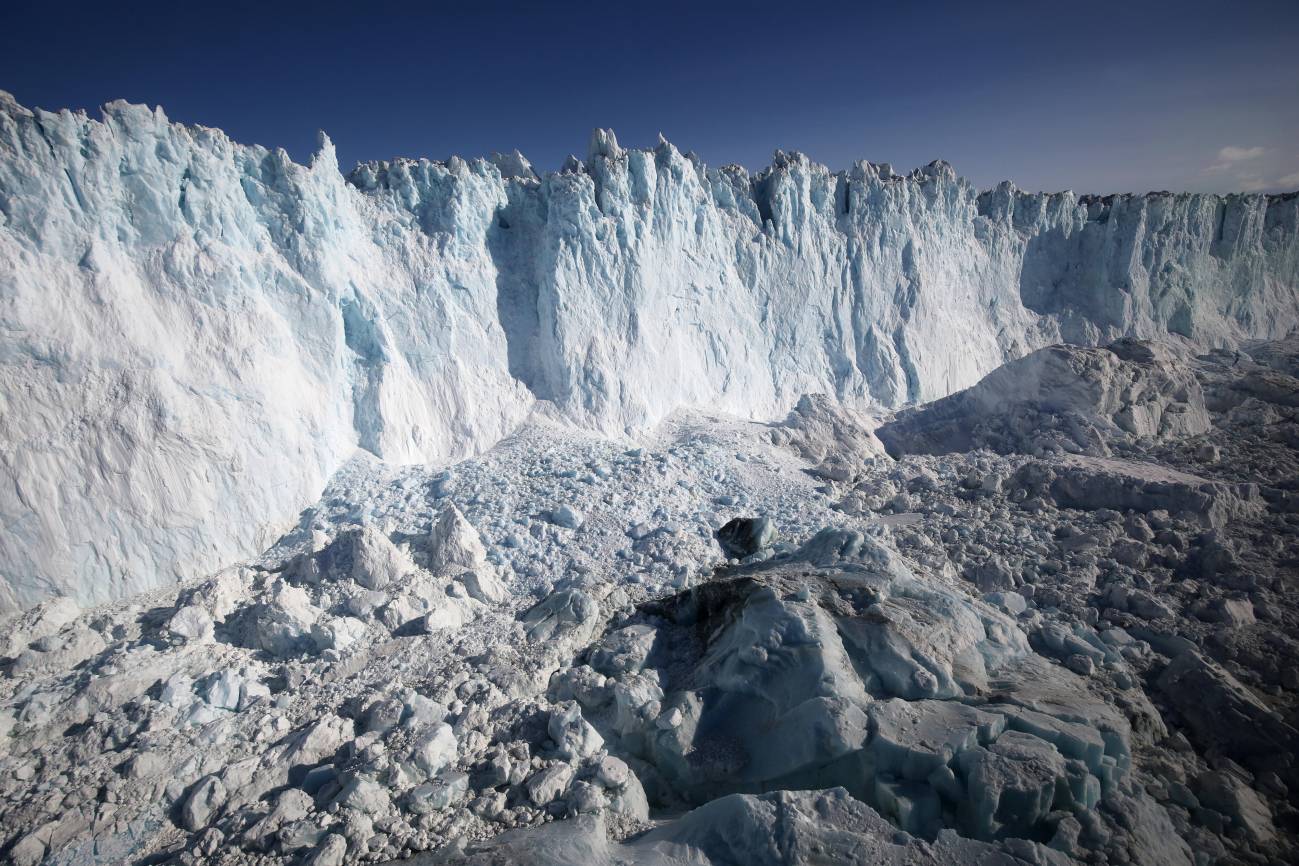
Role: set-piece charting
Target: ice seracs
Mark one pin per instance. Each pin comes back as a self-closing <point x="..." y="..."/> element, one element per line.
<point x="421" y="310"/>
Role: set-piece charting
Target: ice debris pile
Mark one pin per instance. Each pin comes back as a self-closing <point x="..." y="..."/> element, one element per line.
<point x="231" y="326"/>
<point x="916" y="699"/>
<point x="1070" y="641"/>
<point x="1081" y="400"/>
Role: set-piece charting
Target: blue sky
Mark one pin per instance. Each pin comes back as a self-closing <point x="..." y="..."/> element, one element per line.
<point x="1095" y="97"/>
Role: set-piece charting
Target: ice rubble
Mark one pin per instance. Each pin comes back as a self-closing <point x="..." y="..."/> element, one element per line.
<point x="1076" y="398"/>
<point x="856" y="674"/>
<point x="770" y="830"/>
<point x="199" y="333"/>
<point x="953" y="658"/>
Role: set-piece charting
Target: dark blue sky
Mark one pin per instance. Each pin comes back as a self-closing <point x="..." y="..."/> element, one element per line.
<point x="1094" y="96"/>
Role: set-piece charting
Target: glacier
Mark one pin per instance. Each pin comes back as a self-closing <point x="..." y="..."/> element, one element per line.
<point x="197" y="334"/>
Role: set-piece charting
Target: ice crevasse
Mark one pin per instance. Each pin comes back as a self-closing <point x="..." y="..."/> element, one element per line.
<point x="194" y="333"/>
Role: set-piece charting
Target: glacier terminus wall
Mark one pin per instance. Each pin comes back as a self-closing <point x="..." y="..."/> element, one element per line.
<point x="195" y="334"/>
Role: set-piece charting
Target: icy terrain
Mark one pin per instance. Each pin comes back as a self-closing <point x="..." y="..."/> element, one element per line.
<point x="1068" y="635"/>
<point x="198" y="334"/>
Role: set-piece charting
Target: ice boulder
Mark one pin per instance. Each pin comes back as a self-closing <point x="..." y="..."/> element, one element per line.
<point x="439" y="794"/>
<point x="206" y="799"/>
<point x="573" y="736"/>
<point x="622" y="788"/>
<point x="364" y="555"/>
<point x="1091" y="483"/>
<point x="319" y="740"/>
<point x="1232" y="797"/>
<point x="434" y="749"/>
<point x="59" y="652"/>
<point x="221" y="594"/>
<point x="570" y="613"/>
<point x="455" y="548"/>
<point x="282" y="625"/>
<point x="337" y="633"/>
<point x="745" y="536"/>
<point x="191" y="623"/>
<point x="1011" y="785"/>
<point x="547" y="785"/>
<point x="484" y="585"/>
<point x="454" y="545"/>
<point x="43" y="620"/>
<point x="567" y="516"/>
<point x="1224" y="714"/>
<point x="365" y="796"/>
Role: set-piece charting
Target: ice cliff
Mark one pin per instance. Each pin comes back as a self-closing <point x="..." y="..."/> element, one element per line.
<point x="197" y="333"/>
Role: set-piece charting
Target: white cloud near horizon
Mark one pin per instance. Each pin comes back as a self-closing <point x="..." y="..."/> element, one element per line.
<point x="1232" y="153"/>
<point x="1241" y="168"/>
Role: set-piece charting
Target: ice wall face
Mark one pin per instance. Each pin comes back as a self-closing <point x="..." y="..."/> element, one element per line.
<point x="197" y="333"/>
<point x="1209" y="268"/>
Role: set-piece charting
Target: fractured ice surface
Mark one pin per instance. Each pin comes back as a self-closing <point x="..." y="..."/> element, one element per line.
<point x="964" y="657"/>
<point x="917" y="700"/>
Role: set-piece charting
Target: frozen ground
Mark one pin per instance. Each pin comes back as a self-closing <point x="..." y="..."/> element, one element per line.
<point x="1050" y="619"/>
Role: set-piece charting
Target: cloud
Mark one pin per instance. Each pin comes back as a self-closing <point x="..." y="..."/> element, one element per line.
<point x="1251" y="182"/>
<point x="1232" y="154"/>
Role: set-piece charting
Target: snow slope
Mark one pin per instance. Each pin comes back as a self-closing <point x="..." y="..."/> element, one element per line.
<point x="197" y="333"/>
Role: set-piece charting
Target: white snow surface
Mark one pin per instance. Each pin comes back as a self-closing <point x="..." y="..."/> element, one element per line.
<point x="196" y="334"/>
